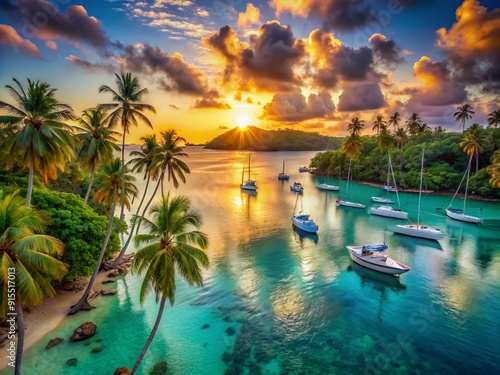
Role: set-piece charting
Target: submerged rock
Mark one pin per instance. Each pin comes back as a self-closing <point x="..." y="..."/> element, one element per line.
<point x="205" y="326"/>
<point x="97" y="349"/>
<point x="122" y="371"/>
<point x="54" y="342"/>
<point x="159" y="369"/>
<point x="85" y="331"/>
<point x="72" y="362"/>
<point x="230" y="331"/>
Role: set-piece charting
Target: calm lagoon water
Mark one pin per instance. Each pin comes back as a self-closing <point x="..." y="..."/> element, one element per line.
<point x="297" y="304"/>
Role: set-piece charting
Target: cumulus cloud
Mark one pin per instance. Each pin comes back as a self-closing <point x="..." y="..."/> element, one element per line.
<point x="361" y="97"/>
<point x="386" y="50"/>
<point x="250" y="17"/>
<point x="10" y="37"/>
<point x="293" y="107"/>
<point x="255" y="63"/>
<point x="41" y="19"/>
<point x="50" y="44"/>
<point x="472" y="44"/>
<point x="211" y="103"/>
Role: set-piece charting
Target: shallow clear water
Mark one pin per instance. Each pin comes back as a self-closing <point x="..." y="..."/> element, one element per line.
<point x="297" y="303"/>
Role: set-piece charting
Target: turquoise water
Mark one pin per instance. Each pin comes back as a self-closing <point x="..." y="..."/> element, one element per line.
<point x="297" y="303"/>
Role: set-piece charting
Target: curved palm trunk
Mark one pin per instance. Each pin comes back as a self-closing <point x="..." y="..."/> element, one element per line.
<point x="91" y="180"/>
<point x="125" y="246"/>
<point x="30" y="181"/>
<point x="149" y="203"/>
<point x="150" y="338"/>
<point x="122" y="202"/>
<point x="20" y="336"/>
<point x="82" y="300"/>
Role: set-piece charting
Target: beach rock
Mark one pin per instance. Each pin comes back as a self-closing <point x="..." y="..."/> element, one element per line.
<point x="54" y="342"/>
<point x="86" y="306"/>
<point x="97" y="349"/>
<point x="72" y="362"/>
<point x="205" y="326"/>
<point x="159" y="369"/>
<point x="122" y="371"/>
<point x="230" y="331"/>
<point x="108" y="292"/>
<point x="74" y="286"/>
<point x="117" y="272"/>
<point x="108" y="281"/>
<point x="85" y="331"/>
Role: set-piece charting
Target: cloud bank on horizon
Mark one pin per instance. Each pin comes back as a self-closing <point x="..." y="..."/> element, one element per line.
<point x="312" y="64"/>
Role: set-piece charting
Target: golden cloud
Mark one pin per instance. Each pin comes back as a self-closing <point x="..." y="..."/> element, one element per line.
<point x="250" y="17"/>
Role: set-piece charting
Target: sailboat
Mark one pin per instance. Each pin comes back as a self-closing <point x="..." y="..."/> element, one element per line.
<point x="459" y="214"/>
<point x="328" y="186"/>
<point x="303" y="221"/>
<point x="345" y="202"/>
<point x="387" y="187"/>
<point x="283" y="175"/>
<point x="419" y="230"/>
<point x="248" y="184"/>
<point x="389" y="211"/>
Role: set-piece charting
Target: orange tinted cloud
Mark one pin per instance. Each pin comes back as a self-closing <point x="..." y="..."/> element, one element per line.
<point x="293" y="107"/>
<point x="250" y="17"/>
<point x="9" y="36"/>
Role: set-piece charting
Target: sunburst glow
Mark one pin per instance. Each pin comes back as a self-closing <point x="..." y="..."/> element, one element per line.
<point x="243" y="121"/>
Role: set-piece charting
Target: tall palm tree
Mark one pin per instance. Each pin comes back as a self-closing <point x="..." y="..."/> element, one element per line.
<point x="127" y="110"/>
<point x="413" y="124"/>
<point x="108" y="192"/>
<point x="394" y="120"/>
<point x="494" y="169"/>
<point x="41" y="138"/>
<point x="355" y="126"/>
<point x="97" y="141"/>
<point x="494" y="118"/>
<point x="463" y="113"/>
<point x="380" y="124"/>
<point x="385" y="140"/>
<point x="401" y="137"/>
<point x="474" y="141"/>
<point x="167" y="161"/>
<point x="143" y="161"/>
<point x="29" y="255"/>
<point x="174" y="244"/>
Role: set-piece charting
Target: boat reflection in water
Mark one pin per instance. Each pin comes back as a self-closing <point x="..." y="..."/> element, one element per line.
<point x="302" y="236"/>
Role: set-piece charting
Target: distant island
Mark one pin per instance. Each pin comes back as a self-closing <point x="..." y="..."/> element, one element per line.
<point x="256" y="139"/>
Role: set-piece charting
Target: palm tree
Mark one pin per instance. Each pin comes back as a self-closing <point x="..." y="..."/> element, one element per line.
<point x="167" y="161"/>
<point x="413" y="124"/>
<point x="463" y="113"/>
<point x="380" y="124"/>
<point x="127" y="110"/>
<point x="143" y="161"/>
<point x="41" y="137"/>
<point x="474" y="141"/>
<point x="97" y="141"/>
<point x="108" y="192"/>
<point x="401" y="137"/>
<point x="394" y="120"/>
<point x="28" y="255"/>
<point x="494" y="118"/>
<point x="355" y="126"/>
<point x="385" y="141"/>
<point x="494" y="169"/>
<point x="173" y="244"/>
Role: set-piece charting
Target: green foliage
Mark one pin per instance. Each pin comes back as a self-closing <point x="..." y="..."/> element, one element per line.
<point x="79" y="227"/>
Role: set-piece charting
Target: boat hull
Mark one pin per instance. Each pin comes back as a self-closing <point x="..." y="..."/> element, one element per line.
<point x="377" y="262"/>
<point x="328" y="187"/>
<point x="345" y="203"/>
<point x="248" y="187"/>
<point x="283" y="177"/>
<point x="420" y="231"/>
<point x="461" y="216"/>
<point x="382" y="200"/>
<point x="388" y="211"/>
<point x="303" y="223"/>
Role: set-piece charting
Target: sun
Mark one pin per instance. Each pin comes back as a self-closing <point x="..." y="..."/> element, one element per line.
<point x="243" y="121"/>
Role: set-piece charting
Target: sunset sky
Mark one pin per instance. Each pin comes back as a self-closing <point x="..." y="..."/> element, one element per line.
<point x="305" y="64"/>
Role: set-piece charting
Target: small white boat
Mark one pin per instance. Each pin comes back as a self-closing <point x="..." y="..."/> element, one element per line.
<point x="390" y="188"/>
<point x="328" y="187"/>
<point x="459" y="214"/>
<point x="388" y="211"/>
<point x="382" y="200"/>
<point x="421" y="231"/>
<point x="303" y="222"/>
<point x="370" y="256"/>
<point x="304" y="169"/>
<point x="343" y="202"/>
<point x="248" y="184"/>
<point x="297" y="186"/>
<point x="283" y="175"/>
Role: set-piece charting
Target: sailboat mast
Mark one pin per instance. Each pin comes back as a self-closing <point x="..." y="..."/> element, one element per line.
<point x="467" y="182"/>
<point x="249" y="167"/>
<point x="394" y="178"/>
<point x="283" y="166"/>
<point x="420" y="192"/>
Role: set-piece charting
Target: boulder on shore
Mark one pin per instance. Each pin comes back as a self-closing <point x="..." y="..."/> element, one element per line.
<point x="54" y="342"/>
<point x="74" y="286"/>
<point x="108" y="292"/>
<point x="83" y="332"/>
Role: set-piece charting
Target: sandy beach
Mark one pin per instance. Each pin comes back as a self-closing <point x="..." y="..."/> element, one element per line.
<point x="47" y="317"/>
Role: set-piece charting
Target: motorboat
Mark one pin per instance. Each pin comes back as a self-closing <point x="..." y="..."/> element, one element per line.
<point x="389" y="211"/>
<point x="304" y="169"/>
<point x="297" y="187"/>
<point x="382" y="200"/>
<point x="343" y="202"/>
<point x="371" y="256"/>
<point x="328" y="187"/>
<point x="303" y="222"/>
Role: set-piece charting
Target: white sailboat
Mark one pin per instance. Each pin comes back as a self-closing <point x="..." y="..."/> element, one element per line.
<point x="282" y="175"/>
<point x="371" y="256"/>
<point x="387" y="188"/>
<point x="248" y="184"/>
<point x="389" y="211"/>
<point x="303" y="221"/>
<point x="419" y="230"/>
<point x="330" y="187"/>
<point x="345" y="202"/>
<point x="459" y="214"/>
<point x="297" y="187"/>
